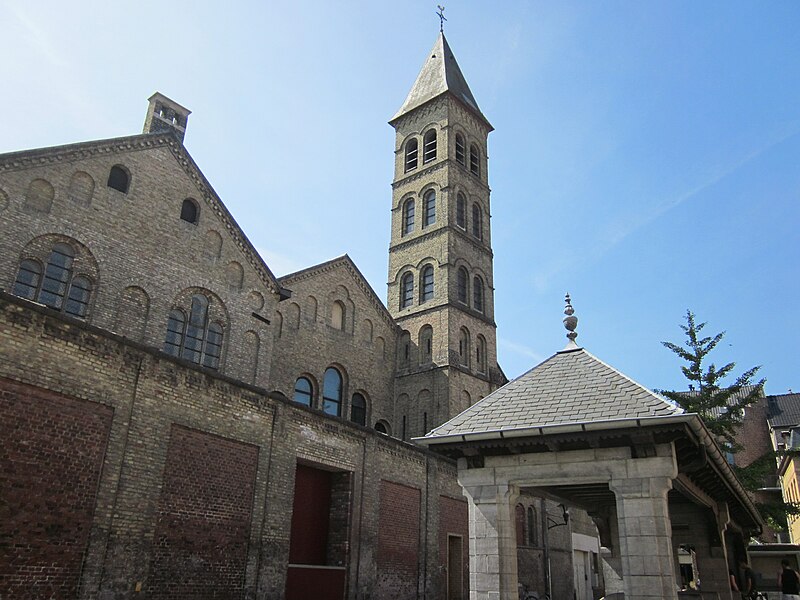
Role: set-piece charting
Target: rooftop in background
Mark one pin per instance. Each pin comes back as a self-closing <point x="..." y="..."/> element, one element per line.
<point x="784" y="410"/>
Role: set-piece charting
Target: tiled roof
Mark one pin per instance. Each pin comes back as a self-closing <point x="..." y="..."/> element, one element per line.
<point x="571" y="387"/>
<point x="784" y="410"/>
<point x="439" y="74"/>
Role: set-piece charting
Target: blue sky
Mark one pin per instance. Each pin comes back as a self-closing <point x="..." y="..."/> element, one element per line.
<point x="645" y="157"/>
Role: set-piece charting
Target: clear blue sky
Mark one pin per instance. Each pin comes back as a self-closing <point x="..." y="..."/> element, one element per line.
<point x="646" y="154"/>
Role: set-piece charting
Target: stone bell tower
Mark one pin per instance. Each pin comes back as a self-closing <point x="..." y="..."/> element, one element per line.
<point x="441" y="285"/>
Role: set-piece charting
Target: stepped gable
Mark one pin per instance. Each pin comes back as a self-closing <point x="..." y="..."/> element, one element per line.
<point x="571" y="387"/>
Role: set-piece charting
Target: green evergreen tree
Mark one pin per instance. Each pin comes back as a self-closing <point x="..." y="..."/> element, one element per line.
<point x="720" y="405"/>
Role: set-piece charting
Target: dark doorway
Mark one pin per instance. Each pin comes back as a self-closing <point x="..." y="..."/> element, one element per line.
<point x="319" y="535"/>
<point x="455" y="567"/>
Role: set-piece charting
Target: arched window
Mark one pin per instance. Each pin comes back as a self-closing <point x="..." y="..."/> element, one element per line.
<point x="426" y="284"/>
<point x="405" y="347"/>
<point x="464" y="346"/>
<point x="460" y="149"/>
<point x="480" y="354"/>
<point x="189" y="211"/>
<point x="59" y="288"/>
<point x="429" y="146"/>
<point x="477" y="294"/>
<point x="429" y="214"/>
<point x="461" y="210"/>
<point x="462" y="285"/>
<point x="383" y="427"/>
<point x="408" y="216"/>
<point x="303" y="391"/>
<point x="519" y="524"/>
<point x="194" y="339"/>
<point x="119" y="179"/>
<point x="29" y="277"/>
<point x="426" y="344"/>
<point x="337" y="315"/>
<point x="477" y="218"/>
<point x="531" y="526"/>
<point x="332" y="392"/>
<point x="407" y="290"/>
<point x="412" y="151"/>
<point x="474" y="160"/>
<point x="358" y="409"/>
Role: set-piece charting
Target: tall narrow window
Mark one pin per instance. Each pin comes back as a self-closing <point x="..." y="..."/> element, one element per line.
<point x="412" y="151"/>
<point x="474" y="160"/>
<point x="189" y="211"/>
<point x="480" y="354"/>
<point x="337" y="315"/>
<point x="477" y="294"/>
<point x="477" y="218"/>
<point x="118" y="179"/>
<point x="519" y="522"/>
<point x="462" y="285"/>
<point x="429" y="147"/>
<point x="426" y="284"/>
<point x="332" y="392"/>
<point x="408" y="217"/>
<point x="426" y="344"/>
<point x="303" y="391"/>
<point x="358" y="409"/>
<point x="407" y="290"/>
<point x="57" y="276"/>
<point x="460" y="159"/>
<point x="464" y="346"/>
<point x="531" y="526"/>
<point x="461" y="210"/>
<point x="429" y="216"/>
<point x="194" y="339"/>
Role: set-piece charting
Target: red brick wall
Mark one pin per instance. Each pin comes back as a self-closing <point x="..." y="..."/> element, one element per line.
<point x="203" y="517"/>
<point x="51" y="455"/>
<point x="398" y="542"/>
<point x="454" y="520"/>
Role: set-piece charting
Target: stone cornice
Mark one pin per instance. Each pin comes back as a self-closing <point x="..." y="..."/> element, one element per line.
<point x="136" y="143"/>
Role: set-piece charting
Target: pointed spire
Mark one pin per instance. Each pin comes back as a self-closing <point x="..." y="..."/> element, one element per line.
<point x="571" y="323"/>
<point x="440" y="74"/>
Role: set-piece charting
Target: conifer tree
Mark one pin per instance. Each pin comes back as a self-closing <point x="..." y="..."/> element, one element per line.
<point x="720" y="405"/>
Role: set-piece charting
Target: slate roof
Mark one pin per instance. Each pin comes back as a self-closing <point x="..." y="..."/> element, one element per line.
<point x="570" y="387"/>
<point x="784" y="410"/>
<point x="439" y="74"/>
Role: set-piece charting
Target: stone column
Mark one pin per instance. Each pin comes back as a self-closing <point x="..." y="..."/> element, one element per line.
<point x="492" y="542"/>
<point x="645" y="540"/>
<point x="713" y="562"/>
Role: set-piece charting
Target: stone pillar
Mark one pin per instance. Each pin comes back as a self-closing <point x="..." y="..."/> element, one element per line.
<point x="712" y="564"/>
<point x="492" y="542"/>
<point x="645" y="540"/>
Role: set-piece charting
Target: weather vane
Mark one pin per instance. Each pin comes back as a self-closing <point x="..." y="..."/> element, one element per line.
<point x="442" y="18"/>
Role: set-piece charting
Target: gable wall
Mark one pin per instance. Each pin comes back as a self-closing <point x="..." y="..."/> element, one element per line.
<point x="306" y="342"/>
<point x="144" y="257"/>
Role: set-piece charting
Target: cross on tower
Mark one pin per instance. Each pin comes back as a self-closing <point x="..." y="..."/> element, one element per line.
<point x="442" y="18"/>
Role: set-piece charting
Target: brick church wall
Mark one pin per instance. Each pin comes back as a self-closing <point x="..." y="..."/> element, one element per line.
<point x="51" y="457"/>
<point x="177" y="434"/>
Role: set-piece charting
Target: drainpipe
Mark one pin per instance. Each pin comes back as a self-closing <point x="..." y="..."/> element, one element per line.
<point x="546" y="545"/>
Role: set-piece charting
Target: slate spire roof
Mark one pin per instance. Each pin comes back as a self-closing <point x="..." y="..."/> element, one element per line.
<point x="440" y="74"/>
<point x="571" y="387"/>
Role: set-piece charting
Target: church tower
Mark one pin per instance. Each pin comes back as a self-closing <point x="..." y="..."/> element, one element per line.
<point x="441" y="290"/>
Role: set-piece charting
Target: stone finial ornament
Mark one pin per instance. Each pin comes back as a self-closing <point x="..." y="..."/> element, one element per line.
<point x="570" y="322"/>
